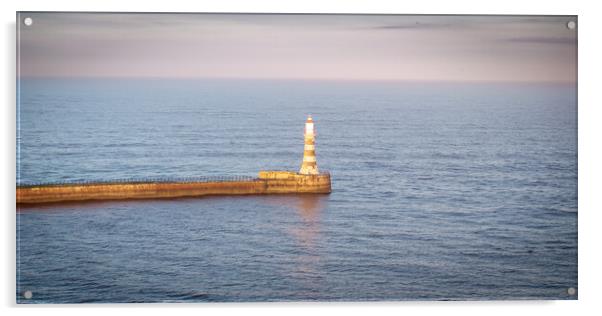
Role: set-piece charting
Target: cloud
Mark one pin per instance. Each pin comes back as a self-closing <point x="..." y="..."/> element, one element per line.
<point x="543" y="40"/>
<point x="415" y="26"/>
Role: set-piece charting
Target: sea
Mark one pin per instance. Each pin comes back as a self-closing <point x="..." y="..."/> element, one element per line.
<point x="440" y="191"/>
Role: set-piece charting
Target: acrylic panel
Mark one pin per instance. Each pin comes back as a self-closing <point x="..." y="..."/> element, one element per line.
<point x="196" y="157"/>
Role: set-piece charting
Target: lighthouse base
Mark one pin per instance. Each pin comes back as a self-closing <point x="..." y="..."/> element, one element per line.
<point x="292" y="182"/>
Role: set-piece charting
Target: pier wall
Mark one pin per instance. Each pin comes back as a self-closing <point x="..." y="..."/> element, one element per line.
<point x="269" y="182"/>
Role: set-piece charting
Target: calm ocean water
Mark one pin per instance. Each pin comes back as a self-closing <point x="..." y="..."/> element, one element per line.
<point x="440" y="191"/>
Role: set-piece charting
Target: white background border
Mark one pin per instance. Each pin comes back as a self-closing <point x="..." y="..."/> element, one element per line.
<point x="590" y="158"/>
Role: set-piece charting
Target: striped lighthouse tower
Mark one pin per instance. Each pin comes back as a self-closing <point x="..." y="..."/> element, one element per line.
<point x="309" y="165"/>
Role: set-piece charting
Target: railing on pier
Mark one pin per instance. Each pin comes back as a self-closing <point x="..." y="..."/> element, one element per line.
<point x="142" y="180"/>
<point x="198" y="179"/>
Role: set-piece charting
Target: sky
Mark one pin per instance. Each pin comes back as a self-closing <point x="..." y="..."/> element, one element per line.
<point x="325" y="47"/>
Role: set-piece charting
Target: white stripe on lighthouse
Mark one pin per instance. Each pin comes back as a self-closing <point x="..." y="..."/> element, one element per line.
<point x="309" y="158"/>
<point x="309" y="147"/>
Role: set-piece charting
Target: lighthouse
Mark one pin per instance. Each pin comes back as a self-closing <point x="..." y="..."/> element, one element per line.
<point x="309" y="165"/>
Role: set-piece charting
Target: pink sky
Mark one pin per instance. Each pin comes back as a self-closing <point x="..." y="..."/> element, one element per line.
<point x="349" y="47"/>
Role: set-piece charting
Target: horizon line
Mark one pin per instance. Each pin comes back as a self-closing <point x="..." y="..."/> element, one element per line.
<point x="28" y="77"/>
